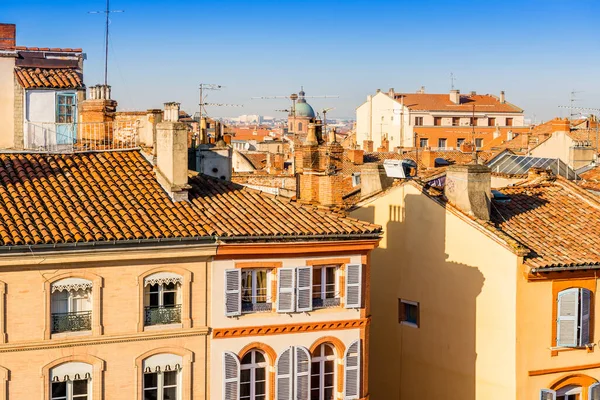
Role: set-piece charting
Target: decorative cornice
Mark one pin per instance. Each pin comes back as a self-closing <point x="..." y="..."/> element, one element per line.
<point x="100" y="340"/>
<point x="290" y="328"/>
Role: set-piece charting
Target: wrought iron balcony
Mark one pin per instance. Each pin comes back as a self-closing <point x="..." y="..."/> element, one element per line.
<point x="248" y="307"/>
<point x="326" y="303"/>
<point x="71" y="321"/>
<point x="160" y="315"/>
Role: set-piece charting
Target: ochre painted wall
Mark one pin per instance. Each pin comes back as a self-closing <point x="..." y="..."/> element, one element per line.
<point x="465" y="284"/>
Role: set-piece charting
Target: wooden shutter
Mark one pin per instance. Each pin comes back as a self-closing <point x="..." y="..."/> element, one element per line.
<point x="353" y="285"/>
<point x="352" y="370"/>
<point x="302" y="376"/>
<point x="594" y="392"/>
<point x="304" y="278"/>
<point x="286" y="289"/>
<point x="284" y="375"/>
<point x="547" y="394"/>
<point x="584" y="318"/>
<point x="566" y="325"/>
<point x="231" y="376"/>
<point x="233" y="293"/>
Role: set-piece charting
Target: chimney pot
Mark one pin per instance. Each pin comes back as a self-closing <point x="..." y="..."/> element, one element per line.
<point x="502" y="97"/>
<point x="468" y="188"/>
<point x="455" y="96"/>
<point x="172" y="156"/>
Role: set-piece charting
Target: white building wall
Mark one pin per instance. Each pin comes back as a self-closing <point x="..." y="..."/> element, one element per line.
<point x="40" y="106"/>
<point x="379" y="116"/>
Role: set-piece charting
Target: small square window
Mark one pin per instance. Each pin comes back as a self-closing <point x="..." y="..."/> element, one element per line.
<point x="408" y="313"/>
<point x="442" y="143"/>
<point x="478" y="143"/>
<point x="459" y="142"/>
<point x="424" y="142"/>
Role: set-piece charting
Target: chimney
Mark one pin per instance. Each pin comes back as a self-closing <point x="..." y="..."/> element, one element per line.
<point x="332" y="136"/>
<point x="468" y="188"/>
<point x="497" y="132"/>
<point x="385" y="145"/>
<point x="373" y="179"/>
<point x="473" y="93"/>
<point x="368" y="146"/>
<point x="378" y="90"/>
<point x="502" y="97"/>
<point x="427" y="158"/>
<point x="355" y="156"/>
<point x="561" y="125"/>
<point x="510" y="135"/>
<point x="8" y="36"/>
<point x="97" y="112"/>
<point x="422" y="90"/>
<point x="455" y="96"/>
<point x="311" y="137"/>
<point x="391" y="92"/>
<point x="466" y="147"/>
<point x="172" y="154"/>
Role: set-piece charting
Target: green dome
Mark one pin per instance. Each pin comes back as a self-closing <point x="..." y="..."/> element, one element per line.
<point x="303" y="109"/>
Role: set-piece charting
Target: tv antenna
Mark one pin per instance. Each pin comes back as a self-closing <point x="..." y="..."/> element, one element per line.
<point x="452" y="79"/>
<point x="573" y="99"/>
<point x="325" y="111"/>
<point x="108" y="11"/>
<point x="596" y="113"/>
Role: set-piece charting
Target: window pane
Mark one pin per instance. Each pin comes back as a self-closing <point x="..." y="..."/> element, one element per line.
<point x="151" y="394"/>
<point x="261" y="286"/>
<point x="329" y="367"/>
<point x="260" y="388"/>
<point x="245" y="375"/>
<point x="150" y="380"/>
<point x="154" y="288"/>
<point x="80" y="386"/>
<point x="329" y="380"/>
<point x="317" y="283"/>
<point x="315" y="368"/>
<point x="170" y="378"/>
<point x="170" y="393"/>
<point x="328" y="394"/>
<point x="59" y="390"/>
<point x="154" y="299"/>
<point x="260" y="374"/>
<point x="259" y="357"/>
<point x="245" y="389"/>
<point x="169" y="299"/>
<point x="328" y="350"/>
<point x="170" y="286"/>
<point x="314" y="393"/>
<point x="247" y="286"/>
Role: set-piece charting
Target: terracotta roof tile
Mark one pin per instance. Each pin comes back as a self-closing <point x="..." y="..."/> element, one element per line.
<point x="55" y="78"/>
<point x="441" y="102"/>
<point x="49" y="199"/>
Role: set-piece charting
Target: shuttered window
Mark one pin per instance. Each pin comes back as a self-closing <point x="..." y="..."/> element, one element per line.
<point x="594" y="392"/>
<point x="353" y="285"/>
<point x="304" y="279"/>
<point x="231" y="375"/>
<point x="573" y="317"/>
<point x="233" y="299"/>
<point x="284" y="375"/>
<point x="352" y="369"/>
<point x="547" y="394"/>
<point x="286" y="289"/>
<point x="302" y="375"/>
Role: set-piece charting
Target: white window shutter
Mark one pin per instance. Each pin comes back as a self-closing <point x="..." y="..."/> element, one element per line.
<point x="302" y="376"/>
<point x="547" y="394"/>
<point x="284" y="375"/>
<point x="352" y="370"/>
<point x="231" y="376"/>
<point x="304" y="279"/>
<point x="233" y="292"/>
<point x="594" y="391"/>
<point x="353" y="285"/>
<point x="566" y="325"/>
<point x="584" y="318"/>
<point x="286" y="289"/>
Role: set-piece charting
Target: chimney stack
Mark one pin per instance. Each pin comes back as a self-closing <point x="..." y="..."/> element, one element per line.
<point x="468" y="188"/>
<point x="368" y="146"/>
<point x="172" y="154"/>
<point x="391" y="92"/>
<point x="311" y="137"/>
<point x="373" y="179"/>
<point x="502" y="97"/>
<point x="422" y="90"/>
<point x="455" y="96"/>
<point x="8" y="36"/>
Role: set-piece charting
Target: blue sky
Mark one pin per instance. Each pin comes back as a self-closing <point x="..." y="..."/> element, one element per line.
<point x="537" y="51"/>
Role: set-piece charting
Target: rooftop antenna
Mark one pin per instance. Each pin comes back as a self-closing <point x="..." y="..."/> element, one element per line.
<point x="107" y="12"/>
<point x="573" y="99"/>
<point x="452" y="79"/>
<point x="596" y="113"/>
<point x="203" y="87"/>
<point x="325" y="111"/>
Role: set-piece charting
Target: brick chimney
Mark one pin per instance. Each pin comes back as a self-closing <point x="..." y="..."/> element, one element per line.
<point x="172" y="154"/>
<point x="455" y="96"/>
<point x="468" y="188"/>
<point x="8" y="36"/>
<point x="385" y="145"/>
<point x="467" y="147"/>
<point x="561" y="125"/>
<point x="427" y="158"/>
<point x="355" y="156"/>
<point x="368" y="146"/>
<point x="96" y="112"/>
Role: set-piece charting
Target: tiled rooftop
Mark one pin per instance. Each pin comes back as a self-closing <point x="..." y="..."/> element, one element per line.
<point x="556" y="220"/>
<point x="56" y="78"/>
<point x="85" y="197"/>
<point x="441" y="102"/>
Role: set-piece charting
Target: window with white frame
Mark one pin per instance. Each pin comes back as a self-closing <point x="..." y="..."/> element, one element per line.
<point x="478" y="143"/>
<point x="71" y="381"/>
<point x="571" y="392"/>
<point x="423" y="142"/>
<point x="162" y="299"/>
<point x="573" y="317"/>
<point x="162" y="377"/>
<point x="325" y="291"/>
<point x="256" y="290"/>
<point x="71" y="305"/>
<point x="322" y="377"/>
<point x="253" y="376"/>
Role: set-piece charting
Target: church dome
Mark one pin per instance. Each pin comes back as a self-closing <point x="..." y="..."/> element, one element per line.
<point x="303" y="109"/>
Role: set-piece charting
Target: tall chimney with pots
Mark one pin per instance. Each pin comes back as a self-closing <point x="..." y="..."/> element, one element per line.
<point x="172" y="154"/>
<point x="468" y="188"/>
<point x="455" y="96"/>
<point x="97" y="114"/>
<point x="502" y="97"/>
<point x="8" y="36"/>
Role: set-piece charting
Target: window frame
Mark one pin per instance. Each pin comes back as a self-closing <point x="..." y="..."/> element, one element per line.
<point x="559" y="286"/>
<point x="322" y="359"/>
<point x="421" y="142"/>
<point x="455" y="121"/>
<point x="418" y="121"/>
<point x="69" y="390"/>
<point x="70" y="113"/>
<point x="444" y="141"/>
<point x="437" y="121"/>
<point x="403" y="315"/>
<point x="323" y="284"/>
<point x="480" y="140"/>
<point x="98" y="367"/>
<point x="509" y="121"/>
<point x="160" y="386"/>
<point x="460" y="141"/>
<point x="184" y="374"/>
<point x="254" y="285"/>
<point x="491" y="121"/>
<point x="253" y="366"/>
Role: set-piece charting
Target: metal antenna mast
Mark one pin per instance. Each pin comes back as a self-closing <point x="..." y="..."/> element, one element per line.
<point x="452" y="79"/>
<point x="203" y="87"/>
<point x="572" y="99"/>
<point x="596" y="115"/>
<point x="107" y="12"/>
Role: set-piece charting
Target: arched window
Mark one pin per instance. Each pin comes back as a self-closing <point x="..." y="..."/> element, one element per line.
<point x="299" y="126"/>
<point x="162" y="298"/>
<point x="71" y="305"/>
<point x="162" y="377"/>
<point x="322" y="382"/>
<point x="253" y="374"/>
<point x="71" y="381"/>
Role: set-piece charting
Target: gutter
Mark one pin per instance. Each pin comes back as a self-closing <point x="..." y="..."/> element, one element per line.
<point x="149" y="243"/>
<point x="560" y="269"/>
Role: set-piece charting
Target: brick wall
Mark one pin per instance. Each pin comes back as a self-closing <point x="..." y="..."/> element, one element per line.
<point x="19" y="116"/>
<point x="279" y="181"/>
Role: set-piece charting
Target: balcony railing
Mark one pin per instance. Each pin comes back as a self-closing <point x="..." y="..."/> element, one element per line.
<point x="248" y="307"/>
<point x="326" y="303"/>
<point x="71" y="321"/>
<point x="160" y="315"/>
<point x="78" y="137"/>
